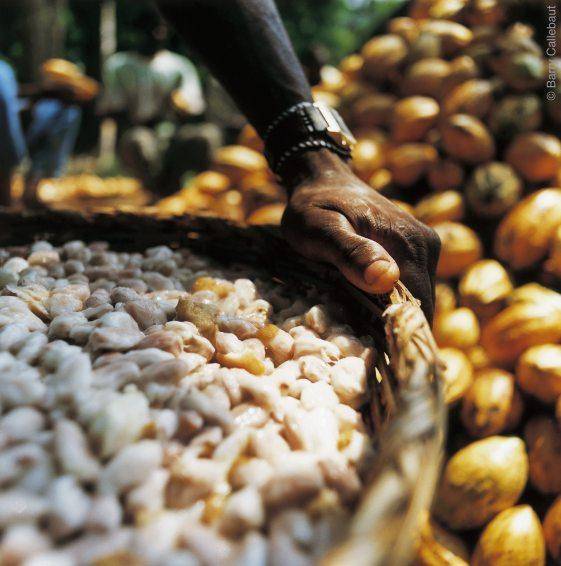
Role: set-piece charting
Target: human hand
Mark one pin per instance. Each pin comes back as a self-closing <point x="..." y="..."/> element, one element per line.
<point x="333" y="216"/>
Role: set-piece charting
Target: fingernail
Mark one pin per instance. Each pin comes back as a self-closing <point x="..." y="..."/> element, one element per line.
<point x="381" y="275"/>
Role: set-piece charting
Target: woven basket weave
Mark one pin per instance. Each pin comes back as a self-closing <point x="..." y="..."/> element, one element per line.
<point x="406" y="406"/>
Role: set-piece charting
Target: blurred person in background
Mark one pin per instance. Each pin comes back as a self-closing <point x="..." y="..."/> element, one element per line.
<point x="157" y="99"/>
<point x="331" y="214"/>
<point x="37" y="121"/>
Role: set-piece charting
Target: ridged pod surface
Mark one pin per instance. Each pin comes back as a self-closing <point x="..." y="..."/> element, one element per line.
<point x="481" y="480"/>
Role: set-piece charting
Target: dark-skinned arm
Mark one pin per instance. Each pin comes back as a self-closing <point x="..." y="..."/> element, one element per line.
<point x="331" y="215"/>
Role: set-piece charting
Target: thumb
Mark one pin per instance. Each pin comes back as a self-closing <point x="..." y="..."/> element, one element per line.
<point x="364" y="262"/>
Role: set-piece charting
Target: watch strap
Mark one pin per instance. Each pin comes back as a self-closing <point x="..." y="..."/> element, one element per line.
<point x="285" y="114"/>
<point x="303" y="127"/>
<point x="308" y="145"/>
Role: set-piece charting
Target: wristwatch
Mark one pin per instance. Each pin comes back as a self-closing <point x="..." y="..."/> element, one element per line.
<point x="306" y="126"/>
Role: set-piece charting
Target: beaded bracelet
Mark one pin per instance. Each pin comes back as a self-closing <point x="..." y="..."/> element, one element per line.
<point x="307" y="145"/>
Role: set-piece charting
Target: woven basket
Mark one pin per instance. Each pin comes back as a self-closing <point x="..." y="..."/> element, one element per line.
<point x="406" y="410"/>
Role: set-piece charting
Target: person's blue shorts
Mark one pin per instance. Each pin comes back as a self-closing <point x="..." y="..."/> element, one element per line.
<point x="12" y="141"/>
<point x="51" y="135"/>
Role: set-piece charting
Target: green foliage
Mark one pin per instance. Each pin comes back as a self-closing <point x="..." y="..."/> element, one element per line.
<point x="81" y="20"/>
<point x="335" y="27"/>
<point x="332" y="27"/>
<point x="321" y="30"/>
<point x="12" y="47"/>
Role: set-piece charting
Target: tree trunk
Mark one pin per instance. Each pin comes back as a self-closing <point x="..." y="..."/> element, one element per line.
<point x="107" y="46"/>
<point x="44" y="34"/>
<point x="58" y="28"/>
<point x="35" y="38"/>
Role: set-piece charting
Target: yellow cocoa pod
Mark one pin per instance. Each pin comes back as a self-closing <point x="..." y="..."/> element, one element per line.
<point x="518" y="38"/>
<point x="410" y="161"/>
<point x="517" y="328"/>
<point x="211" y="182"/>
<point x="230" y="205"/>
<point x="522" y="71"/>
<point x="425" y="77"/>
<point x="374" y="134"/>
<point x="332" y="79"/>
<point x="552" y="530"/>
<point x="535" y="155"/>
<point x="193" y="198"/>
<point x="515" y="115"/>
<point x="438" y="547"/>
<point x="513" y="538"/>
<point x="382" y="56"/>
<point x="481" y="480"/>
<point x="466" y="138"/>
<point x="445" y="299"/>
<point x="553" y="263"/>
<point x="457" y="375"/>
<point x="445" y="174"/>
<point x="259" y="189"/>
<point x="457" y="328"/>
<point x="425" y="45"/>
<point x="460" y="248"/>
<point x="539" y="372"/>
<point x="482" y="47"/>
<point x="250" y="138"/>
<point x="413" y="117"/>
<point x="525" y="233"/>
<point x="373" y="110"/>
<point x="419" y="9"/>
<point x="351" y="66"/>
<point x="463" y="68"/>
<point x="269" y="214"/>
<point x="473" y="97"/>
<point x="174" y="205"/>
<point x="453" y="36"/>
<point x="406" y="28"/>
<point x="493" y="189"/>
<point x="478" y="357"/>
<point x="403" y="205"/>
<point x="535" y="293"/>
<point x="441" y="207"/>
<point x="326" y="97"/>
<point x="447" y="9"/>
<point x="368" y="157"/>
<point x="484" y="287"/>
<point x="381" y="180"/>
<point x="543" y="439"/>
<point x="349" y="96"/>
<point x="450" y="541"/>
<point x="492" y="404"/>
<point x="490" y="13"/>
<point x="236" y="161"/>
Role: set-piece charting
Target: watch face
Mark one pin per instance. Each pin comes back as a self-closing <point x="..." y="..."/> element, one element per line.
<point x="336" y="127"/>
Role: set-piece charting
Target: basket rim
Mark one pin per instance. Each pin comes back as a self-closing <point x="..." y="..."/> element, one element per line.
<point x="409" y="442"/>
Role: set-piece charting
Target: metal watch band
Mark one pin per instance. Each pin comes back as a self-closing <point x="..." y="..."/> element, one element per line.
<point x="303" y="127"/>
